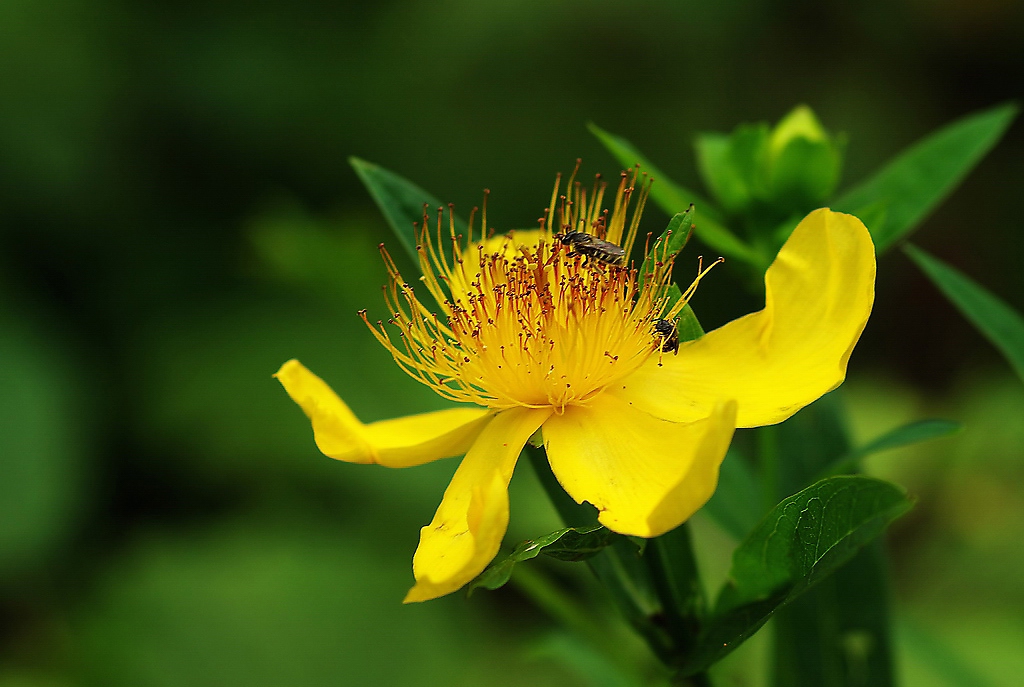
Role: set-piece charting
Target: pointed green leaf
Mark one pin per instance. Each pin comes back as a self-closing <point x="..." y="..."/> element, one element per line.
<point x="912" y="433"/>
<point x="671" y="198"/>
<point x="569" y="544"/>
<point x="401" y="201"/>
<point x="670" y="243"/>
<point x="688" y="326"/>
<point x="913" y="183"/>
<point x="665" y="192"/>
<point x="999" y="323"/>
<point x="809" y="535"/>
<point x="798" y="543"/>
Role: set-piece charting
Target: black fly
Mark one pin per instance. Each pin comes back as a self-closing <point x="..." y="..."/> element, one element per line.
<point x="592" y="247"/>
<point x="669" y="334"/>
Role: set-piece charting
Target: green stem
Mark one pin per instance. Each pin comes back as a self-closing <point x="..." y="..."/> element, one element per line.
<point x="557" y="604"/>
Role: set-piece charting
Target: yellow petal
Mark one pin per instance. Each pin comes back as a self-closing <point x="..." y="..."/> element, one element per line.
<point x="645" y="475"/>
<point x="819" y="293"/>
<point x="467" y="529"/>
<point x="398" y="443"/>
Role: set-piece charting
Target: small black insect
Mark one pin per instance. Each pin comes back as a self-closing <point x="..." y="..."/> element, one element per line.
<point x="669" y="334"/>
<point x="592" y="247"/>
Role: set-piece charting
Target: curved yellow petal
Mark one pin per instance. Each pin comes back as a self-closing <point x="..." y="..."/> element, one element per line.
<point x="645" y="475"/>
<point x="819" y="293"/>
<point x="468" y="526"/>
<point x="398" y="443"/>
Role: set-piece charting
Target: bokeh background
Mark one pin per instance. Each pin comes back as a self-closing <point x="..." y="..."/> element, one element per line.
<point x="177" y="218"/>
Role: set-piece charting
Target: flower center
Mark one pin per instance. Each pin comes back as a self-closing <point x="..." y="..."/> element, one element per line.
<point x="531" y="318"/>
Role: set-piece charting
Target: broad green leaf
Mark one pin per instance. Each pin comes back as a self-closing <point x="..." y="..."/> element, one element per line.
<point x="401" y="201"/>
<point x="748" y="154"/>
<point x="997" y="321"/>
<point x="736" y="503"/>
<point x="913" y="183"/>
<point x="569" y="544"/>
<point x="809" y="535"/>
<point x="798" y="543"/>
<point x="671" y="198"/>
<point x="913" y="433"/>
<point x="820" y="637"/>
<point x="670" y="243"/>
<point x="805" y="173"/>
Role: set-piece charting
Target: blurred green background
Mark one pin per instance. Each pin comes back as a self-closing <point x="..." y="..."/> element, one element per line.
<point x="177" y="218"/>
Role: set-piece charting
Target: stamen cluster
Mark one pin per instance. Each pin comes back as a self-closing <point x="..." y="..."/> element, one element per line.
<point x="525" y="321"/>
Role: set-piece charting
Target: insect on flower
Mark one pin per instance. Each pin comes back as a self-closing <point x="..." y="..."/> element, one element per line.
<point x="592" y="247"/>
<point x="669" y="333"/>
<point x="522" y="336"/>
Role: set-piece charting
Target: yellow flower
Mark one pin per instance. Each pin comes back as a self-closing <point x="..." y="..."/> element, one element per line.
<point x="534" y="335"/>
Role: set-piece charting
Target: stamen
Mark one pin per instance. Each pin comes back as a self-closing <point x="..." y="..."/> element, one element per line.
<point x="529" y="321"/>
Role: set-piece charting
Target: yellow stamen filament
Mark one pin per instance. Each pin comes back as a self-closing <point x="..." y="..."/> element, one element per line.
<point x="523" y="320"/>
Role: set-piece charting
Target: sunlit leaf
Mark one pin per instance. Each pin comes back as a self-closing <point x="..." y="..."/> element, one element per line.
<point x="914" y="182"/>
<point x="401" y="201"/>
<point x="798" y="543"/>
<point x="997" y="321"/>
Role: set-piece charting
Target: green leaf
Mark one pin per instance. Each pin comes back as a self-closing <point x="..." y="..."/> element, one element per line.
<point x="912" y="433"/>
<point x="805" y="173"/>
<point x="720" y="175"/>
<point x="670" y="243"/>
<point x="820" y="637"/>
<point x="401" y="201"/>
<point x="569" y="544"/>
<point x="997" y="321"/>
<point x="688" y="326"/>
<point x="798" y="543"/>
<point x="671" y="197"/>
<point x="913" y="183"/>
<point x="809" y="535"/>
<point x="665" y="192"/>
